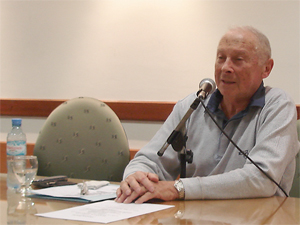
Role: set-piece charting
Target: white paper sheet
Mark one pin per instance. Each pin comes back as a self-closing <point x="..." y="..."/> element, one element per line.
<point x="105" y="212"/>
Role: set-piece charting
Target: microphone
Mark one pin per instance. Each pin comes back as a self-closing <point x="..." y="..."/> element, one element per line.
<point x="206" y="87"/>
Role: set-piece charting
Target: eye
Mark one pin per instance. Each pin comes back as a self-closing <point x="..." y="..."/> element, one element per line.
<point x="220" y="58"/>
<point x="239" y="59"/>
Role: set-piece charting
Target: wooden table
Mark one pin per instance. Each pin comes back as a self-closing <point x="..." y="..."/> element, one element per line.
<point x="274" y="210"/>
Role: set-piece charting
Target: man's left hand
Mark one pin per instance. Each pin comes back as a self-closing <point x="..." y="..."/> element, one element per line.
<point x="163" y="190"/>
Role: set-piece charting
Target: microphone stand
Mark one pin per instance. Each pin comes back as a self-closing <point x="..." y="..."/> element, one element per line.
<point x="178" y="139"/>
<point x="185" y="155"/>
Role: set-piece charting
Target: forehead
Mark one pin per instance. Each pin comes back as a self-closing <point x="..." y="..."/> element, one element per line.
<point x="239" y="41"/>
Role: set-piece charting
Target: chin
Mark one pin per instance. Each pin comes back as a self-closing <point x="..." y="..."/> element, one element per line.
<point x="228" y="92"/>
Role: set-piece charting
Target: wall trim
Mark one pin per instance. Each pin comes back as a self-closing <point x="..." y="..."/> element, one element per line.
<point x="125" y="110"/>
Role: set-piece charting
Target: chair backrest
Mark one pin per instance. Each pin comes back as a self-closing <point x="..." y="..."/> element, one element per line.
<point x="295" y="191"/>
<point x="83" y="138"/>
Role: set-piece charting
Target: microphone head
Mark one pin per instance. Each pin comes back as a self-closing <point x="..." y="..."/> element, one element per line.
<point x="206" y="87"/>
<point x="209" y="83"/>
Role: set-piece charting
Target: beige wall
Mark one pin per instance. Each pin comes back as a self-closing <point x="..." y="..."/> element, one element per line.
<point x="132" y="50"/>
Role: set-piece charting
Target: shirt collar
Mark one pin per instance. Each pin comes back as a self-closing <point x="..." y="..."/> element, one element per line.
<point x="258" y="99"/>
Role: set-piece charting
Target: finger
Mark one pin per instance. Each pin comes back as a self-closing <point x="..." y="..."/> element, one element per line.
<point x="138" y="179"/>
<point x="147" y="183"/>
<point x="133" y="184"/>
<point x="118" y="192"/>
<point x="153" y="177"/>
<point x="134" y="195"/>
<point x="131" y="197"/>
<point x="125" y="187"/>
<point x="145" y="197"/>
<point x="121" y="198"/>
<point x="122" y="192"/>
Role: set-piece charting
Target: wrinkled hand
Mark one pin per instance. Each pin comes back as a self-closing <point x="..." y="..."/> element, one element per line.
<point x="135" y="185"/>
<point x="163" y="190"/>
<point x="141" y="187"/>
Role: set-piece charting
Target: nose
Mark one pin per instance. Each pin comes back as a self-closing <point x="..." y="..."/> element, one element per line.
<point x="227" y="66"/>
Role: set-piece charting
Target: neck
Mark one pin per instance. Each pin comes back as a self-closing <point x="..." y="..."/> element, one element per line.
<point x="231" y="108"/>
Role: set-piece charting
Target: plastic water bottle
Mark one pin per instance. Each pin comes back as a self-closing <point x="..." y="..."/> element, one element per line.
<point x="15" y="145"/>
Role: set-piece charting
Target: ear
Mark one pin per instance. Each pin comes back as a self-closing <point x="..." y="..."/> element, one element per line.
<point x="268" y="68"/>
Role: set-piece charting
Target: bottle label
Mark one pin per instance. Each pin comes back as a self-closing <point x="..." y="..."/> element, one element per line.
<point x="16" y="148"/>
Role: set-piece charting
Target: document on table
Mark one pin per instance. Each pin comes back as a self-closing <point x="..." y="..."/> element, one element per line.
<point x="105" y="212"/>
<point x="72" y="193"/>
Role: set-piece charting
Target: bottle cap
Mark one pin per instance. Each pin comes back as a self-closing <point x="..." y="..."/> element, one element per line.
<point x="16" y="122"/>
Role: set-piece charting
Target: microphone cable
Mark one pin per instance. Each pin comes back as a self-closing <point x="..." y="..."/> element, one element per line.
<point x="240" y="150"/>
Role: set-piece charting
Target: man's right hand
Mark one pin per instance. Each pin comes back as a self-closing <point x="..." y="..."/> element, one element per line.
<point x="136" y="185"/>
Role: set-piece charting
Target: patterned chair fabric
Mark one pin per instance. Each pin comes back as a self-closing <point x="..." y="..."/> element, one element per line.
<point x="83" y="138"/>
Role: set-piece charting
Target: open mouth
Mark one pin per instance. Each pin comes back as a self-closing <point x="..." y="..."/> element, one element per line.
<point x="228" y="82"/>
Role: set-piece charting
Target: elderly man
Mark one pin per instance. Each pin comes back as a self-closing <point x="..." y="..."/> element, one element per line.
<point x="259" y="119"/>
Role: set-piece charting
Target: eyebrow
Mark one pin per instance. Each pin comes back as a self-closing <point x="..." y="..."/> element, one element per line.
<point x="239" y="52"/>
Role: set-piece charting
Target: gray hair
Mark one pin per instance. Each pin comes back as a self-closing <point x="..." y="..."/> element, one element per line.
<point x="264" y="47"/>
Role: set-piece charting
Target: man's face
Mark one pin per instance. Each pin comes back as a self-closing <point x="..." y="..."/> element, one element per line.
<point x="238" y="72"/>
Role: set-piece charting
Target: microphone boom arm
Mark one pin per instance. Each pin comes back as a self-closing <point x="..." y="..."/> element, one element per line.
<point x="178" y="137"/>
<point x="179" y="127"/>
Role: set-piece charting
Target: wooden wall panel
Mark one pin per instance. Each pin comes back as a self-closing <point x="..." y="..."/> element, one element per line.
<point x="125" y="110"/>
